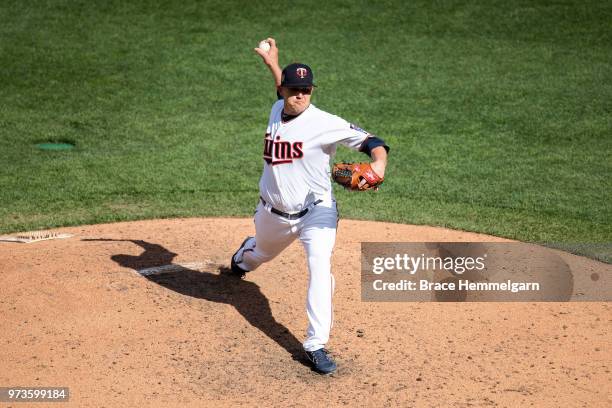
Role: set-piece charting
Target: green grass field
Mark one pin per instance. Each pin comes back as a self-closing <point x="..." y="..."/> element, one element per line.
<point x="498" y="114"/>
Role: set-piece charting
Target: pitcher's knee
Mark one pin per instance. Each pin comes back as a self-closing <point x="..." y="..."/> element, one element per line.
<point x="320" y="260"/>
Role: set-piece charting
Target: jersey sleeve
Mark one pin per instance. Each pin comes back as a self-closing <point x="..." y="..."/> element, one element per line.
<point x="348" y="134"/>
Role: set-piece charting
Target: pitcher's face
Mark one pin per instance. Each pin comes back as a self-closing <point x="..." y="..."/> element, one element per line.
<point x="296" y="99"/>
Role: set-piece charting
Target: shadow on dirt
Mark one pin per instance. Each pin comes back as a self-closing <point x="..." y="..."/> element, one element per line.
<point x="219" y="287"/>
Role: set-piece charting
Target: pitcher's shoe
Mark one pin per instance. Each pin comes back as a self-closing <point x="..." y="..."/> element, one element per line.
<point x="236" y="270"/>
<point x="321" y="362"/>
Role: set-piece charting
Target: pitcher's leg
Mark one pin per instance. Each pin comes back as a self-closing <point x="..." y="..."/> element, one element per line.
<point x="272" y="235"/>
<point x="318" y="237"/>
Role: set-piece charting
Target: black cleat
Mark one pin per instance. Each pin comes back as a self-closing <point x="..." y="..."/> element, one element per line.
<point x="236" y="270"/>
<point x="321" y="362"/>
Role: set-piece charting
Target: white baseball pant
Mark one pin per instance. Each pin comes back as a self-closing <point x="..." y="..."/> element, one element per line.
<point x="317" y="232"/>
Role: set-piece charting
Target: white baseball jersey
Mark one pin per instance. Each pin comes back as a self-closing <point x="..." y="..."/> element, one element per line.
<point x="297" y="156"/>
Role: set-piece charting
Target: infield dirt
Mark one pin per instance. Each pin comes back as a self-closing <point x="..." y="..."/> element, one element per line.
<point x="76" y="313"/>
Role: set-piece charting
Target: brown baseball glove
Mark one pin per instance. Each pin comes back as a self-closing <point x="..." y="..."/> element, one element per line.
<point x="356" y="176"/>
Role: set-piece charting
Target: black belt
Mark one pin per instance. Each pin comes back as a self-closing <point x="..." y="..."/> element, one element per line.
<point x="287" y="215"/>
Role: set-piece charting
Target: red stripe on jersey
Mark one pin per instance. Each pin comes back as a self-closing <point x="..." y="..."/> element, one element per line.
<point x="282" y="162"/>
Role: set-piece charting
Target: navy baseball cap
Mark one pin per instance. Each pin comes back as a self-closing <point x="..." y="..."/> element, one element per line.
<point x="297" y="76"/>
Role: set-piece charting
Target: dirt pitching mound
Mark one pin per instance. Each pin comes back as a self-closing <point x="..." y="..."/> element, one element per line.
<point x="138" y="314"/>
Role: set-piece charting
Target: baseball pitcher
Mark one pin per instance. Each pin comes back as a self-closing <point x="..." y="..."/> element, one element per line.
<point x="296" y="198"/>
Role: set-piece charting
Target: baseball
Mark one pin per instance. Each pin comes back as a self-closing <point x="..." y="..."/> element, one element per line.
<point x="264" y="45"/>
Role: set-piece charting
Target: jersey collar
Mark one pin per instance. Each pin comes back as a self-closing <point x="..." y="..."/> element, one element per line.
<point x="289" y="118"/>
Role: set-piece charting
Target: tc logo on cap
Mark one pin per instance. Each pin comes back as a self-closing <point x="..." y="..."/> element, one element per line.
<point x="296" y="75"/>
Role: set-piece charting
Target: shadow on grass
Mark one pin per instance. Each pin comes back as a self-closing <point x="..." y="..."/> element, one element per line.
<point x="221" y="287"/>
